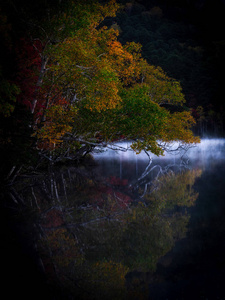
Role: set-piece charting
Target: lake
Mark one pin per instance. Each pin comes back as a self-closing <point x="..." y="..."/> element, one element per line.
<point x="122" y="226"/>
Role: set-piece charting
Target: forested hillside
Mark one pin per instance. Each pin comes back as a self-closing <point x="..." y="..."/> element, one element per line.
<point x="76" y="75"/>
<point x="186" y="39"/>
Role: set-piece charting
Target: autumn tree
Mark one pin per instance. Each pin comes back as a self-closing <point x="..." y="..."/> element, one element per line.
<point x="100" y="90"/>
<point x="88" y="90"/>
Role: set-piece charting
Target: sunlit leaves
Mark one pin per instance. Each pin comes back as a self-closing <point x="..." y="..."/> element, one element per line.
<point x="102" y="92"/>
<point x="146" y="122"/>
<point x="123" y="61"/>
<point x="113" y="91"/>
<point x="162" y="88"/>
<point x="58" y="122"/>
<point x="77" y="16"/>
<point x="178" y="127"/>
<point x="79" y="63"/>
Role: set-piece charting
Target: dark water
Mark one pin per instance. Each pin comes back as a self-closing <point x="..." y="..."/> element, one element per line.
<point x="124" y="226"/>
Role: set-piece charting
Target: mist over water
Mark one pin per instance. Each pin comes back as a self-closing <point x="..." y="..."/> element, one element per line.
<point x="126" y="164"/>
<point x="202" y="153"/>
<point x="209" y="149"/>
<point x="126" y="211"/>
<point x="192" y="265"/>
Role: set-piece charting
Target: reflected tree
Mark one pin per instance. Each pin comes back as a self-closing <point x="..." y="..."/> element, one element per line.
<point x="93" y="232"/>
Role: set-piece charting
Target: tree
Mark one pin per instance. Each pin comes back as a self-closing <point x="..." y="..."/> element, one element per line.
<point x="97" y="90"/>
<point x="86" y="89"/>
<point x="91" y="234"/>
<point x="154" y="224"/>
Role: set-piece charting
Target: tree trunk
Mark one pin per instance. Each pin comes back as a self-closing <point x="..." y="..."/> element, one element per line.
<point x="44" y="62"/>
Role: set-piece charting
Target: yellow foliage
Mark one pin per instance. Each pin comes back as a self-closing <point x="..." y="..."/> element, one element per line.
<point x="59" y="122"/>
<point x="93" y="64"/>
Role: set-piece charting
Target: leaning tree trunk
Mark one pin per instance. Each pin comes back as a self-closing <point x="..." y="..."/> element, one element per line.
<point x="44" y="61"/>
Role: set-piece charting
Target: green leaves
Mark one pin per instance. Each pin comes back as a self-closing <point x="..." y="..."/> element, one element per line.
<point x="113" y="90"/>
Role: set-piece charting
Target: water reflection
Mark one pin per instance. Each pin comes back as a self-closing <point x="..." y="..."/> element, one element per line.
<point x="202" y="153"/>
<point x="98" y="230"/>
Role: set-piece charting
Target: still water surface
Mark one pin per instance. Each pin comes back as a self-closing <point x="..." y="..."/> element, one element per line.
<point x="125" y="226"/>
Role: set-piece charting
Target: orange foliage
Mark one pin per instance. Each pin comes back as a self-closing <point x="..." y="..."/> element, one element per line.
<point x="96" y="84"/>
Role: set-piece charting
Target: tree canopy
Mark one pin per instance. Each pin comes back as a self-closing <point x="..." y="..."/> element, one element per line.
<point x="94" y="90"/>
<point x="85" y="88"/>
